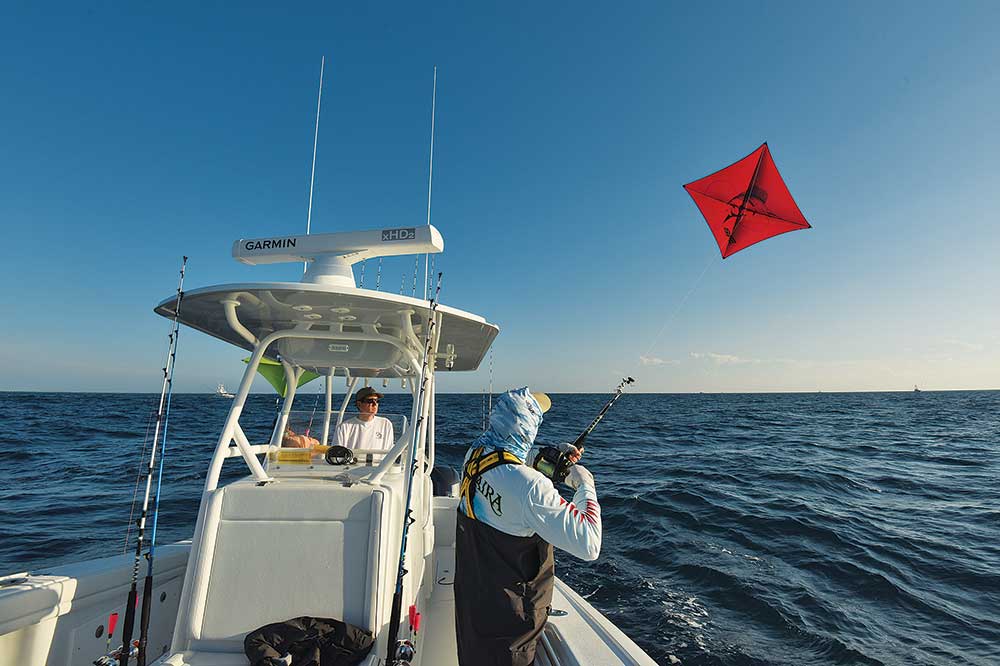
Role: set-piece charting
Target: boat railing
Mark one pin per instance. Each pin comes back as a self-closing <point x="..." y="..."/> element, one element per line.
<point x="306" y="422"/>
<point x="309" y="422"/>
<point x="232" y="432"/>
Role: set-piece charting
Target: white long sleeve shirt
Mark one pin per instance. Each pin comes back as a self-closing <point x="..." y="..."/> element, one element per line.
<point x="521" y="501"/>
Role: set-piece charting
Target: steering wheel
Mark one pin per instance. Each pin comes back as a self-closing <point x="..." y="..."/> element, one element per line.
<point x="340" y="455"/>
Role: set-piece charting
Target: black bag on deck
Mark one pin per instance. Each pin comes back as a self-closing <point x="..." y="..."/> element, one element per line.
<point x="311" y="641"/>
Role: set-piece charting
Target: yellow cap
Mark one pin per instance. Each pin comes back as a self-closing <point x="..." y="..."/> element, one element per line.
<point x="543" y="400"/>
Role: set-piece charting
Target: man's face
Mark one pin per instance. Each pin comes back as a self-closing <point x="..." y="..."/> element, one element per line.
<point x="368" y="406"/>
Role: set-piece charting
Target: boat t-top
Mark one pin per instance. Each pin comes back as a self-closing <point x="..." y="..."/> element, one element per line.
<point x="305" y="533"/>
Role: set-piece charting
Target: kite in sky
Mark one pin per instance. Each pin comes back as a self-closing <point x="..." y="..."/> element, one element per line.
<point x="746" y="202"/>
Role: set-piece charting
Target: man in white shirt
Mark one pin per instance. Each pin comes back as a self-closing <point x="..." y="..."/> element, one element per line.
<point x="367" y="430"/>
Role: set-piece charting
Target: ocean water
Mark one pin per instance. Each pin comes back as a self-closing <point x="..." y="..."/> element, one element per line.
<point x="828" y="528"/>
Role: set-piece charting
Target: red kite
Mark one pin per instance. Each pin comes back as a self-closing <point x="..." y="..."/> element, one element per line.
<point x="746" y="202"/>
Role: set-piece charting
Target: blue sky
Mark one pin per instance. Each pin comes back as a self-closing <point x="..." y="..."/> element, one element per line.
<point x="135" y="134"/>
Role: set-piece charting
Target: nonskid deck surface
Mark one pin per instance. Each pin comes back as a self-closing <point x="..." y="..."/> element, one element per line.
<point x="580" y="637"/>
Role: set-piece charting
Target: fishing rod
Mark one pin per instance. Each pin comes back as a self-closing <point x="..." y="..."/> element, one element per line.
<point x="162" y="413"/>
<point x="311" y="416"/>
<point x="403" y="653"/>
<point x="147" y="592"/>
<point x="554" y="463"/>
<point x="618" y="393"/>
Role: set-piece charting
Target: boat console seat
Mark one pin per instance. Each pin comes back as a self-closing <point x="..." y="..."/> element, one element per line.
<point x="271" y="553"/>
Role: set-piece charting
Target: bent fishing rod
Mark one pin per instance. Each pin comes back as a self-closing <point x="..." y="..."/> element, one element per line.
<point x="162" y="414"/>
<point x="404" y="651"/>
<point x="614" y="398"/>
<point x="554" y="463"/>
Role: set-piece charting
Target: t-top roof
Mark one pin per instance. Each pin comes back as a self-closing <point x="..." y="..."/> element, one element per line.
<point x="358" y="315"/>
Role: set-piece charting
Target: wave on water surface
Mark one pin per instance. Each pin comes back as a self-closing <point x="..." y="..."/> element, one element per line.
<point x="739" y="530"/>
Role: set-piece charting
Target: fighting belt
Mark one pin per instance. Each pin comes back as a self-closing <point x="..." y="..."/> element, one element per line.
<point x="478" y="465"/>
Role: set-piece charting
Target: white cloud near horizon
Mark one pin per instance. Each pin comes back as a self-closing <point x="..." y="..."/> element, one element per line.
<point x="724" y="359"/>
<point x="963" y="345"/>
<point x="653" y="360"/>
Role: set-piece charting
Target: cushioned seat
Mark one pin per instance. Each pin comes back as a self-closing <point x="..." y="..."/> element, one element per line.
<point x="269" y="553"/>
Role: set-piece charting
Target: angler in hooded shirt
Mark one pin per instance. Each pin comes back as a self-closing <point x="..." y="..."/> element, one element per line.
<point x="509" y="518"/>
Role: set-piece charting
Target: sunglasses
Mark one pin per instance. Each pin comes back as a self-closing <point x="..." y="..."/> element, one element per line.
<point x="370" y="401"/>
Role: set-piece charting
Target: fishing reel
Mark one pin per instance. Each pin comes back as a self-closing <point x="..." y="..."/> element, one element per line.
<point x="340" y="455"/>
<point x="114" y="658"/>
<point x="553" y="463"/>
<point x="405" y="652"/>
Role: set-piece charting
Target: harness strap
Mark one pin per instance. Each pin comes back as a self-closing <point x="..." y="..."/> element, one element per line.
<point x="478" y="465"/>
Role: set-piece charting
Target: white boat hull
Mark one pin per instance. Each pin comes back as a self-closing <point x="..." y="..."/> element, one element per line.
<point x="53" y="619"/>
<point x="60" y="618"/>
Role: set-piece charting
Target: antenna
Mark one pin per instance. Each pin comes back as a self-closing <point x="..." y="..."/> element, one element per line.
<point x="312" y="174"/>
<point x="430" y="174"/>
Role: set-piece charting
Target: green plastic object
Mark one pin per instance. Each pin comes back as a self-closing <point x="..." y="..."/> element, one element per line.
<point x="274" y="373"/>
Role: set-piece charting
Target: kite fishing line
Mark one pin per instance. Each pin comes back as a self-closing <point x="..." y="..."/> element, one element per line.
<point x="403" y="652"/>
<point x="773" y="210"/>
<point x="676" y="310"/>
<point x="556" y="464"/>
<point x="162" y="413"/>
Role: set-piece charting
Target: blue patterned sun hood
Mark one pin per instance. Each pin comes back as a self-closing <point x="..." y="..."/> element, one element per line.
<point x="513" y="424"/>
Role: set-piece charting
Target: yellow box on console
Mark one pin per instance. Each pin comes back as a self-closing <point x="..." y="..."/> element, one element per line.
<point x="291" y="456"/>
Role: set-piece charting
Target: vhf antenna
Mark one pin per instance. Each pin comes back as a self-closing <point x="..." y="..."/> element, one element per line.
<point x="312" y="173"/>
<point x="430" y="171"/>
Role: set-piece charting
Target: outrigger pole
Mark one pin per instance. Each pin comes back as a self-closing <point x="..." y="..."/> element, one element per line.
<point x="404" y="653"/>
<point x="162" y="414"/>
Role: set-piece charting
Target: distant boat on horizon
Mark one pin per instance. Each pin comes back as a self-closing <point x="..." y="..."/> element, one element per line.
<point x="223" y="393"/>
<point x="915" y="389"/>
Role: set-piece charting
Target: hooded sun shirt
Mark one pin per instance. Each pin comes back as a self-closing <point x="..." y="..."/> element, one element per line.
<point x="514" y="424"/>
<point x="519" y="500"/>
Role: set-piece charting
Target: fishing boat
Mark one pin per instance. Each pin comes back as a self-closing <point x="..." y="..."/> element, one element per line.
<point x="307" y="532"/>
<point x="223" y="393"/>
